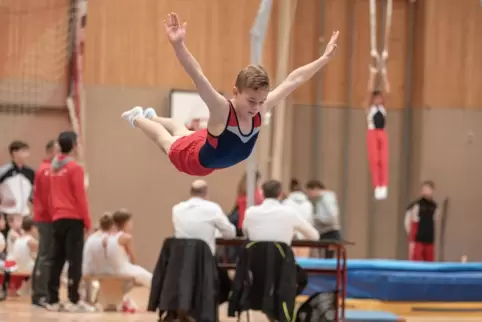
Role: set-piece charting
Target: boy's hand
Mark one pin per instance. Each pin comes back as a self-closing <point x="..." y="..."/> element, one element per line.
<point x="331" y="47"/>
<point x="174" y="30"/>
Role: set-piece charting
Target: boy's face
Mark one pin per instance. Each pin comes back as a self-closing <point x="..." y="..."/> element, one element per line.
<point x="249" y="101"/>
<point x="21" y="156"/>
<point x="313" y="193"/>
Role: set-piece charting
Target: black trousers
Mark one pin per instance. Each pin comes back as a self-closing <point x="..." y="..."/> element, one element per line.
<point x="68" y="245"/>
<point x="41" y="270"/>
<point x="331" y="235"/>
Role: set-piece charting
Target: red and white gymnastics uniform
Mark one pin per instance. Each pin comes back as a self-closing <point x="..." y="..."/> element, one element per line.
<point x="420" y="225"/>
<point x="201" y="153"/>
<point x="377" y="144"/>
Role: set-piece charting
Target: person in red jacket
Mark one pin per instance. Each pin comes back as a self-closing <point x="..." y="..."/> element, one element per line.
<point x="43" y="220"/>
<point x="70" y="218"/>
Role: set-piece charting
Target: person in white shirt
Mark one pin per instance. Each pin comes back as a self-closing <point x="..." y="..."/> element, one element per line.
<point x="24" y="250"/>
<point x="120" y="250"/>
<point x="199" y="218"/>
<point x="325" y="214"/>
<point x="300" y="203"/>
<point x="23" y="253"/>
<point x="94" y="260"/>
<point x="275" y="221"/>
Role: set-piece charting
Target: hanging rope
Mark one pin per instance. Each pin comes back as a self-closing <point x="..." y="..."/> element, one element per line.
<point x="379" y="65"/>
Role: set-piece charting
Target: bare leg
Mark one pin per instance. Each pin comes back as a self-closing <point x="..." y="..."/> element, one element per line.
<point x="156" y="132"/>
<point x="175" y="127"/>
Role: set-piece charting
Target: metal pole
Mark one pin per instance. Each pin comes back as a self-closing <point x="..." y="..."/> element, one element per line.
<point x="317" y="133"/>
<point x="258" y="35"/>
<point x="347" y="117"/>
<point x="407" y="134"/>
<point x="372" y="207"/>
<point x="286" y="16"/>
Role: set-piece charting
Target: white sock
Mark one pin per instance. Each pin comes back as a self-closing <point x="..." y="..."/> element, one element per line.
<point x="150" y="113"/>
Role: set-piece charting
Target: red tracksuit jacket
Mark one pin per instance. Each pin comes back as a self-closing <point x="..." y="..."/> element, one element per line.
<point x="41" y="192"/>
<point x="67" y="191"/>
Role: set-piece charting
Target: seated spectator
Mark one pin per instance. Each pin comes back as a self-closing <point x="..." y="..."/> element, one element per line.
<point x="325" y="215"/>
<point x="120" y="251"/>
<point x="275" y="222"/>
<point x="24" y="253"/>
<point x="300" y="203"/>
<point x="298" y="200"/>
<point x="9" y="265"/>
<point x="95" y="248"/>
<point x="24" y="250"/>
<point x="200" y="218"/>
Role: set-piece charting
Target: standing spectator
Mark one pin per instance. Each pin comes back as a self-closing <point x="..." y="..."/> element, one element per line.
<point x="43" y="220"/>
<point x="16" y="184"/>
<point x="242" y="199"/>
<point x="325" y="214"/>
<point x="70" y="216"/>
<point x="420" y="224"/>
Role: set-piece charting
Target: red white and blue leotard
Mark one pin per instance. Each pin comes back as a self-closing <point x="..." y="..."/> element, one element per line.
<point x="200" y="153"/>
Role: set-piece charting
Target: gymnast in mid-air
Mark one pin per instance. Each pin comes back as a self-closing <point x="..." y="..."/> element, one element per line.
<point x="233" y="125"/>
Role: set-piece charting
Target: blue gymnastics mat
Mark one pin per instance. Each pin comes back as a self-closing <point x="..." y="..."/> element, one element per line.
<point x="370" y="316"/>
<point x="392" y="280"/>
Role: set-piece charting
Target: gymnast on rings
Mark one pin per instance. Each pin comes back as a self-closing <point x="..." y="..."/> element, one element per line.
<point x="233" y="125"/>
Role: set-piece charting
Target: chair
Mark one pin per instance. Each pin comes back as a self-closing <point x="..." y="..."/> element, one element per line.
<point x="112" y="289"/>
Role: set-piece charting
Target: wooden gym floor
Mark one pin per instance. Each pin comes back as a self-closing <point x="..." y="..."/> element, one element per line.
<point x="20" y="310"/>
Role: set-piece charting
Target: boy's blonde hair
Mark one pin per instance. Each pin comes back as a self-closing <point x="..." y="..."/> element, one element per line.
<point x="253" y="77"/>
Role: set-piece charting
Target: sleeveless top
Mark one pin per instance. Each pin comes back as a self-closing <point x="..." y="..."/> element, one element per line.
<point x="22" y="254"/>
<point x="116" y="254"/>
<point x="95" y="254"/>
<point x="231" y="146"/>
<point x="376" y="117"/>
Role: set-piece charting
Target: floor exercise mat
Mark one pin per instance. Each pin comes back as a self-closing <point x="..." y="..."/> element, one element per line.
<point x="391" y="280"/>
<point x="371" y="316"/>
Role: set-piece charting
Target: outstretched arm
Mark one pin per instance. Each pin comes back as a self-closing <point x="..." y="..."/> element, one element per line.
<point x="301" y="75"/>
<point x="176" y="32"/>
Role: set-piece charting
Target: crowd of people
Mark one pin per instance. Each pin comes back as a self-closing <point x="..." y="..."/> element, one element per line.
<point x="46" y="223"/>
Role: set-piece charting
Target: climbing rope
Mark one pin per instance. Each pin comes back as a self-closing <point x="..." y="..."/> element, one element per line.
<point x="379" y="64"/>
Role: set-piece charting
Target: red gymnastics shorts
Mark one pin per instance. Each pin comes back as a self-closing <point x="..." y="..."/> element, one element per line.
<point x="184" y="154"/>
